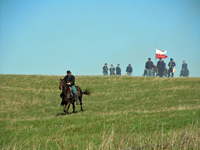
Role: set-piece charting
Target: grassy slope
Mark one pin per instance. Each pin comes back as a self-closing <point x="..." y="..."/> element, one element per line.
<point x="122" y="112"/>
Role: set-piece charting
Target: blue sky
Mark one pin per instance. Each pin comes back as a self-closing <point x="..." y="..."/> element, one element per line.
<point x="50" y="37"/>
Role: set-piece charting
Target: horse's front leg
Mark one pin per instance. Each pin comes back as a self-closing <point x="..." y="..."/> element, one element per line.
<point x="64" y="108"/>
<point x="68" y="105"/>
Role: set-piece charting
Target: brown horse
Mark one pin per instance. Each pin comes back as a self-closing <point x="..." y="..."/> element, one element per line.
<point x="68" y="97"/>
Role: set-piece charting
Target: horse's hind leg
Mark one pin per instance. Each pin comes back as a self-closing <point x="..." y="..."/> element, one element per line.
<point x="81" y="103"/>
<point x="73" y="107"/>
<point x="81" y="107"/>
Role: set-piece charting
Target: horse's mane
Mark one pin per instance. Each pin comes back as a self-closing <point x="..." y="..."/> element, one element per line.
<point x="64" y="80"/>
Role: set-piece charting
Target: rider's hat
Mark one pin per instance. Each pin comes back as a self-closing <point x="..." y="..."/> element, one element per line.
<point x="68" y="71"/>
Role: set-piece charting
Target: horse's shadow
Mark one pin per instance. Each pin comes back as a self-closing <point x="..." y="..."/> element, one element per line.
<point x="64" y="114"/>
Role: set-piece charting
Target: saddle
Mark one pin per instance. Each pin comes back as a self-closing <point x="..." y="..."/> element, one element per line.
<point x="77" y="89"/>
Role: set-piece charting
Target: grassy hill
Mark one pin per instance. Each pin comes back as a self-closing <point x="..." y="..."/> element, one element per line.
<point x="121" y="113"/>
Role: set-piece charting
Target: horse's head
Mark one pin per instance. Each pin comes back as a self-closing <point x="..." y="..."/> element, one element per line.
<point x="65" y="88"/>
<point x="62" y="84"/>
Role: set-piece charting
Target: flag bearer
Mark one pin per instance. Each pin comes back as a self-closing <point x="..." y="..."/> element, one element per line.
<point x="160" y="67"/>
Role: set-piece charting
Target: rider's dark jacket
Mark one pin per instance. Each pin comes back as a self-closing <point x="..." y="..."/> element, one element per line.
<point x="70" y="79"/>
<point x="172" y="64"/>
<point x="118" y="71"/>
<point x="160" y="65"/>
<point x="105" y="69"/>
<point x="129" y="69"/>
<point x="149" y="65"/>
<point x="184" y="66"/>
<point x="112" y="71"/>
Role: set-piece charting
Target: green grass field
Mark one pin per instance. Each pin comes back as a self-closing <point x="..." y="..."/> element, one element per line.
<point x="121" y="113"/>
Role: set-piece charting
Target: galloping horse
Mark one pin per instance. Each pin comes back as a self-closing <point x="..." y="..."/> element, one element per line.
<point x="67" y="96"/>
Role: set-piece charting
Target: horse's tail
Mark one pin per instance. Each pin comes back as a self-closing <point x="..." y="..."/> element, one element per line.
<point x="86" y="92"/>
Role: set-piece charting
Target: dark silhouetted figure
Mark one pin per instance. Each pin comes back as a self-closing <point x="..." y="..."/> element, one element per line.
<point x="118" y="70"/>
<point x="129" y="69"/>
<point x="149" y="67"/>
<point x="160" y="67"/>
<point x="112" y="70"/>
<point x="184" y="70"/>
<point x="105" y="69"/>
<point x="171" y="66"/>
<point x="165" y="71"/>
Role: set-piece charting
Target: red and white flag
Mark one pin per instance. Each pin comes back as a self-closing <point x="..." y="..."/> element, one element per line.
<point x="160" y="54"/>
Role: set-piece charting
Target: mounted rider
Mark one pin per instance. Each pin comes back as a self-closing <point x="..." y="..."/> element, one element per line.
<point x="184" y="70"/>
<point x="70" y="80"/>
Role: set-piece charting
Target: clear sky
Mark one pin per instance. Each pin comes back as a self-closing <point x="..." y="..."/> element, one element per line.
<point x="50" y="37"/>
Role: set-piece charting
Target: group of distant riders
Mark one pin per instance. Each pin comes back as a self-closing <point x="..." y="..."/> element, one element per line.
<point x="150" y="69"/>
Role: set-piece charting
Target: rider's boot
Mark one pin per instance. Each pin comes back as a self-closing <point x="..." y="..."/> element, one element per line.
<point x="77" y="100"/>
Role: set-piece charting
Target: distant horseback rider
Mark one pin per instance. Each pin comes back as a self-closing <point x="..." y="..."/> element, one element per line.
<point x="184" y="71"/>
<point x="171" y="66"/>
<point x="70" y="80"/>
<point x="118" y="70"/>
<point x="105" y="69"/>
<point x="112" y="70"/>
<point x="129" y="69"/>
<point x="184" y="65"/>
